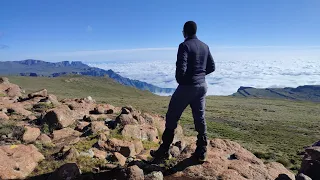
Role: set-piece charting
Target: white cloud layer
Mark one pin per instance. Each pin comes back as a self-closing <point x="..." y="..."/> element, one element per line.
<point x="230" y="74"/>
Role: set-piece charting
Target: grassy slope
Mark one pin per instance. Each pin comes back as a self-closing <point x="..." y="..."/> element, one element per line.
<point x="272" y="129"/>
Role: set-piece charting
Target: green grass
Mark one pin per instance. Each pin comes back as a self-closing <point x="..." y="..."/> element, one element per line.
<point x="2" y="95"/>
<point x="276" y="128"/>
<point x="85" y="145"/>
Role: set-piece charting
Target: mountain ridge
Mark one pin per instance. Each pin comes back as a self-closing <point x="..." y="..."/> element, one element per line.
<point x="306" y="92"/>
<point x="31" y="67"/>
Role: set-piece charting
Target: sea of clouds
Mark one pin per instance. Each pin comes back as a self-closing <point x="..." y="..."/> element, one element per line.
<point x="229" y="74"/>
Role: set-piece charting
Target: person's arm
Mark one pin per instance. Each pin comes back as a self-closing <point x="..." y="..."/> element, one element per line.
<point x="210" y="64"/>
<point x="181" y="65"/>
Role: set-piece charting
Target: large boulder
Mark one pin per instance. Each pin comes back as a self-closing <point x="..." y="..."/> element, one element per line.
<point x="99" y="154"/>
<point x="31" y="134"/>
<point x="18" y="161"/>
<point x="226" y="160"/>
<point x="126" y="148"/>
<point x="59" y="117"/>
<point x="142" y="132"/>
<point x="125" y="119"/>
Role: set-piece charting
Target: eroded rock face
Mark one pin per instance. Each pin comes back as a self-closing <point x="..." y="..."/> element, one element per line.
<point x="243" y="165"/>
<point x="18" y="161"/>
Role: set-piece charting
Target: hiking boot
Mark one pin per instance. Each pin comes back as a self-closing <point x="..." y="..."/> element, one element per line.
<point x="199" y="157"/>
<point x="159" y="156"/>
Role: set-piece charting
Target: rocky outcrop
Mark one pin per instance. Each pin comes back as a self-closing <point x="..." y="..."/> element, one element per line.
<point x="226" y="160"/>
<point x="18" y="161"/>
<point x="9" y="89"/>
<point x="310" y="166"/>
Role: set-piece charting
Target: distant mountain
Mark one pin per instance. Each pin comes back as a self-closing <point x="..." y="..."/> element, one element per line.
<point x="35" y="68"/>
<point x="308" y="93"/>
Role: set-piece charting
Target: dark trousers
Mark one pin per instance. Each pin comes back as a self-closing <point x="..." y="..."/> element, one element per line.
<point x="193" y="95"/>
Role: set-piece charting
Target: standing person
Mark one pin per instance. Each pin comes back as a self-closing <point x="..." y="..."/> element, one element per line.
<point x="194" y="62"/>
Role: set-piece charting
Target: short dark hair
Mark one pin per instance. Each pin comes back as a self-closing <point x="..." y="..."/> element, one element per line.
<point x="190" y="28"/>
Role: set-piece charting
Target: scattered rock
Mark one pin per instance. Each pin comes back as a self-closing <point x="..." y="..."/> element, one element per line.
<point x="142" y="132"/>
<point x="54" y="100"/>
<point x="138" y="146"/>
<point x="99" y="154"/>
<point x="89" y="153"/>
<point x="156" y="175"/>
<point x="125" y="119"/>
<point x="31" y="134"/>
<point x="32" y="118"/>
<point x="64" y="133"/>
<point x="59" y="117"/>
<point x="18" y="161"/>
<point x="41" y="93"/>
<point x="81" y="125"/>
<point x="44" y="139"/>
<point x="174" y="151"/>
<point x="119" y="158"/>
<point x="89" y="100"/>
<point x="99" y="126"/>
<point x="3" y="116"/>
<point x="89" y="118"/>
<point x="115" y="145"/>
<point x="19" y="110"/>
<point x="134" y="173"/>
<point x="69" y="171"/>
<point x="70" y="154"/>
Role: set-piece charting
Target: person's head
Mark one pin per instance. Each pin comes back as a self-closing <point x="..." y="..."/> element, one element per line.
<point x="189" y="29"/>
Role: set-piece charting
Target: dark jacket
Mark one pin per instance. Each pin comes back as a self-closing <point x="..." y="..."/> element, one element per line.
<point x="194" y="62"/>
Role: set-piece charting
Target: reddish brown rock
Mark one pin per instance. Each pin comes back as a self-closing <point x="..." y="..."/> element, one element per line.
<point x="41" y="93"/>
<point x="99" y="127"/>
<point x="228" y="160"/>
<point x="142" y="132"/>
<point x="99" y="154"/>
<point x="119" y="158"/>
<point x="115" y="145"/>
<point x="126" y="119"/>
<point x="138" y="146"/>
<point x="54" y="100"/>
<point x="3" y="116"/>
<point x="44" y="139"/>
<point x="18" y="161"/>
<point x="64" y="133"/>
<point x="59" y="117"/>
<point x="81" y="125"/>
<point x="134" y="173"/>
<point x="31" y="134"/>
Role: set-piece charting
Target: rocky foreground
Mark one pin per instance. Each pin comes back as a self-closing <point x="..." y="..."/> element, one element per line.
<point x="44" y="138"/>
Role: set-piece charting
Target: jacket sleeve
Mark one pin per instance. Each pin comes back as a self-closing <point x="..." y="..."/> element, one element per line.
<point x="181" y="64"/>
<point x="210" y="64"/>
